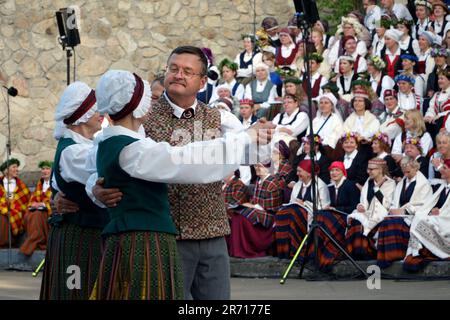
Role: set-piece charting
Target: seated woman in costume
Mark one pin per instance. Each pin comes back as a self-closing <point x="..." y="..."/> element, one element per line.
<point x="261" y="90"/>
<point x="407" y="98"/>
<point x="248" y="58"/>
<point x="286" y="55"/>
<point x="393" y="232"/>
<point x="228" y="72"/>
<point x="414" y="128"/>
<point x="438" y="158"/>
<point x="381" y="148"/>
<point x="292" y="123"/>
<point x="327" y="124"/>
<point x="292" y="220"/>
<point x="379" y="80"/>
<point x="252" y="222"/>
<point x="413" y="149"/>
<point x="429" y="230"/>
<point x="350" y="49"/>
<point x="426" y="64"/>
<point x="393" y="120"/>
<point x="375" y="202"/>
<point x="12" y="188"/>
<point x="344" y="197"/>
<point x="39" y="210"/>
<point x="281" y="155"/>
<point x="355" y="162"/>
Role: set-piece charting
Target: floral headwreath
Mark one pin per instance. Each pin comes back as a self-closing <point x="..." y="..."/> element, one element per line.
<point x="381" y="137"/>
<point x="377" y="62"/>
<point x="229" y="64"/>
<point x="316" y="57"/>
<point x="349" y="135"/>
<point x="354" y="22"/>
<point x="440" y="52"/>
<point x="405" y="22"/>
<point x="285" y="72"/>
<point x="248" y="35"/>
<point x="45" y="164"/>
<point x="317" y="139"/>
<point x="413" y="141"/>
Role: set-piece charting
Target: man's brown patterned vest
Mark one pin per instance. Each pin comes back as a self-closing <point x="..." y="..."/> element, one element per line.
<point x="198" y="210"/>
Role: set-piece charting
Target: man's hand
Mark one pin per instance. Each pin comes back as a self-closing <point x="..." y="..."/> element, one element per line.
<point x="361" y="208"/>
<point x="261" y="131"/>
<point x="434" y="212"/>
<point x="64" y="205"/>
<point x="109" y="197"/>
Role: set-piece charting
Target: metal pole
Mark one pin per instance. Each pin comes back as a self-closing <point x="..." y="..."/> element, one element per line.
<point x="8" y="202"/>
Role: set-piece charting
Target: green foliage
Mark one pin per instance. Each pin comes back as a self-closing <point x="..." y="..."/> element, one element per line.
<point x="333" y="10"/>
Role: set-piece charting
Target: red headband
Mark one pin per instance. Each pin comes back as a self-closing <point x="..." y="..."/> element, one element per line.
<point x="134" y="101"/>
<point x="82" y="109"/>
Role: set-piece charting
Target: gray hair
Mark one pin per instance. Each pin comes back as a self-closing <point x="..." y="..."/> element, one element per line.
<point x="408" y="161"/>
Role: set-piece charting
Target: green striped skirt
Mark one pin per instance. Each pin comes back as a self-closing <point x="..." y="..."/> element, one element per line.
<point x="71" y="245"/>
<point x="139" y="265"/>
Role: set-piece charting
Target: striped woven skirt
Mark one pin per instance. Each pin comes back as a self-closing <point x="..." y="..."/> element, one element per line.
<point x="37" y="227"/>
<point x="139" y="265"/>
<point x="4" y="231"/>
<point x="393" y="238"/>
<point x="291" y="223"/>
<point x="415" y="264"/>
<point x="248" y="240"/>
<point x="70" y="245"/>
<point x="357" y="244"/>
<point x="335" y="224"/>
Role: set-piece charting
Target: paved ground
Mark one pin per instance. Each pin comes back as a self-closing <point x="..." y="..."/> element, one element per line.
<point x="21" y="285"/>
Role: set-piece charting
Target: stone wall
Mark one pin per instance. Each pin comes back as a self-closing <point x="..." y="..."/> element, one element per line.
<point x="131" y="35"/>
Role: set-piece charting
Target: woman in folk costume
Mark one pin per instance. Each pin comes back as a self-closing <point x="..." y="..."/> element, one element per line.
<point x="439" y="108"/>
<point x="440" y="23"/>
<point x="286" y="55"/>
<point x="261" y="90"/>
<point x="328" y="125"/>
<point x="324" y="27"/>
<point x="407" y="98"/>
<point x="77" y="123"/>
<point x="228" y="72"/>
<point x="362" y="121"/>
<point x="413" y="149"/>
<point x="281" y="155"/>
<point x="343" y="107"/>
<point x="248" y="58"/>
<point x="234" y="190"/>
<point x="407" y="42"/>
<point x="440" y="56"/>
<point x="414" y="128"/>
<point x="393" y="232"/>
<point x="303" y="153"/>
<point x="383" y="24"/>
<point x="379" y="80"/>
<point x="292" y="220"/>
<point x="74" y="238"/>
<point x="349" y="27"/>
<point x="14" y="191"/>
<point x="355" y="161"/>
<point x="381" y="148"/>
<point x="423" y="12"/>
<point x="39" y="210"/>
<point x="252" y="223"/>
<point x="317" y="79"/>
<point x="376" y="199"/>
<point x="442" y="153"/>
<point x="392" y="52"/>
<point x="344" y="197"/>
<point x="409" y="62"/>
<point x="429" y="230"/>
<point x="360" y="63"/>
<point x="393" y="122"/>
<point x="426" y="64"/>
<point x="347" y="75"/>
<point x="292" y="123"/>
<point x="317" y="37"/>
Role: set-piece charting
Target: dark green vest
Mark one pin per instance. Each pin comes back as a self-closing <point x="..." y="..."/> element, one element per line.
<point x="144" y="205"/>
<point x="90" y="215"/>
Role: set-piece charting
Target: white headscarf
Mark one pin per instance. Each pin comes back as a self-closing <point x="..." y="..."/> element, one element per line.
<point x="115" y="89"/>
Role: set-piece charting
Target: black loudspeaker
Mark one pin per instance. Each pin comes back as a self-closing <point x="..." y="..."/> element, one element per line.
<point x="309" y="10"/>
<point x="67" y="26"/>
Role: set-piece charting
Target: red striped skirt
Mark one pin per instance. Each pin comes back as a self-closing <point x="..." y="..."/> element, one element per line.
<point x="291" y="223"/>
<point x="415" y="264"/>
<point x="393" y="238"/>
<point x="248" y="240"/>
<point x="359" y="246"/>
<point x="37" y="227"/>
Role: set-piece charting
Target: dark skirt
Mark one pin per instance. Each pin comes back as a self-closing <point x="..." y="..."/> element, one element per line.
<point x="248" y="240"/>
<point x="141" y="265"/>
<point x="393" y="238"/>
<point x="70" y="245"/>
<point x="291" y="223"/>
<point x="415" y="264"/>
<point x="335" y="224"/>
<point x="37" y="227"/>
<point x="358" y="245"/>
<point x="4" y="231"/>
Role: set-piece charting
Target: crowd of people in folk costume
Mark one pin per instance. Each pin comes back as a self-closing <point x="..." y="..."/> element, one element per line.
<point x="141" y="226"/>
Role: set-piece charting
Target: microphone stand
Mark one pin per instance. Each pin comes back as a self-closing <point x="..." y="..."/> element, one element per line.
<point x="305" y="26"/>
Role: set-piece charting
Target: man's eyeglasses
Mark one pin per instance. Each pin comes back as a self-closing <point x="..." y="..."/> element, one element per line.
<point x="186" y="72"/>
